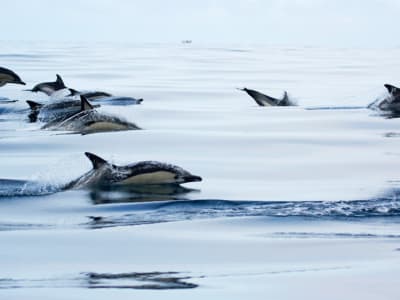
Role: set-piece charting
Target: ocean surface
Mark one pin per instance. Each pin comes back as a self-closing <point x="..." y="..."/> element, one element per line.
<point x="295" y="201"/>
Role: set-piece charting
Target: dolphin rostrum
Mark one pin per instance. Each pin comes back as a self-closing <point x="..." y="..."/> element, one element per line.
<point x="106" y="174"/>
<point x="265" y="100"/>
<point x="8" y="76"/>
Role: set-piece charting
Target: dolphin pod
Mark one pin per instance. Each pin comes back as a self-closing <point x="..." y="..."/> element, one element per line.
<point x="80" y="116"/>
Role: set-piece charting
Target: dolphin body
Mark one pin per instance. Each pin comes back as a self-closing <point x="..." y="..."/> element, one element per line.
<point x="106" y="174"/>
<point x="88" y="120"/>
<point x="265" y="100"/>
<point x="8" y="76"/>
<point x="49" y="87"/>
<point x="391" y="103"/>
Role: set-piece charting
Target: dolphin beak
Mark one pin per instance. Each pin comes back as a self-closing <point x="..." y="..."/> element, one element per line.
<point x="192" y="178"/>
<point x="21" y="82"/>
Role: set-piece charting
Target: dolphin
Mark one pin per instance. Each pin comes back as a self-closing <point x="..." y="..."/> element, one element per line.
<point x="88" y="120"/>
<point x="8" y="76"/>
<point x="49" y="87"/>
<point x="105" y="97"/>
<point x="55" y="111"/>
<point x="106" y="174"/>
<point x="265" y="100"/>
<point x="390" y="103"/>
<point x="90" y="95"/>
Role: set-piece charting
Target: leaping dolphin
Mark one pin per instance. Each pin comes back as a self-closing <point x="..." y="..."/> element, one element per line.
<point x="105" y="174"/>
<point x="265" y="100"/>
<point x="8" y="76"/>
<point x="49" y="87"/>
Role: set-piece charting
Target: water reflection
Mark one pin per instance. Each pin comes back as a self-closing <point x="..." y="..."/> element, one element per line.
<point x="140" y="193"/>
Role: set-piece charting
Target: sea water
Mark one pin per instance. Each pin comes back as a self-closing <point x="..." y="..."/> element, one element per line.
<point x="295" y="201"/>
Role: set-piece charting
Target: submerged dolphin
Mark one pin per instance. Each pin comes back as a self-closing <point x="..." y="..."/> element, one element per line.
<point x="90" y="95"/>
<point x="105" y="97"/>
<point x="88" y="120"/>
<point x="49" y="87"/>
<point x="105" y="174"/>
<point x="265" y="100"/>
<point x="8" y="76"/>
<point x="391" y="103"/>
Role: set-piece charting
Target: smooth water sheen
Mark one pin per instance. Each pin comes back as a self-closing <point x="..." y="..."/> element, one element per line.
<point x="305" y="197"/>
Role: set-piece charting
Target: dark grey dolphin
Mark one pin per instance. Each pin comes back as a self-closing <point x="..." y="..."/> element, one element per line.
<point x="141" y="173"/>
<point x="105" y="97"/>
<point x="88" y="120"/>
<point x="49" y="87"/>
<point x="8" y="76"/>
<point x="90" y="95"/>
<point x="265" y="100"/>
<point x="55" y="111"/>
<point x="391" y="103"/>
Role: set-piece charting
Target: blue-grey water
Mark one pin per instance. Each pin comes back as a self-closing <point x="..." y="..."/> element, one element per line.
<point x="304" y="196"/>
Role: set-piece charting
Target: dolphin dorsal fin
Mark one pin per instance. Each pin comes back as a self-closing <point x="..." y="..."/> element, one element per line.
<point x="85" y="105"/>
<point x="60" y="82"/>
<point x="285" y="96"/>
<point x="34" y="105"/>
<point x="73" y="92"/>
<point x="392" y="89"/>
<point x="97" y="161"/>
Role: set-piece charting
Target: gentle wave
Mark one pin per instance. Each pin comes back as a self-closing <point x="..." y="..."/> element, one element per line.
<point x="151" y="213"/>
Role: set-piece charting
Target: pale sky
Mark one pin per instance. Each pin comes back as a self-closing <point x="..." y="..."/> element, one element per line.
<point x="342" y="23"/>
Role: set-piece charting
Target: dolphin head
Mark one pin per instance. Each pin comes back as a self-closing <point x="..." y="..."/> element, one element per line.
<point x="184" y="177"/>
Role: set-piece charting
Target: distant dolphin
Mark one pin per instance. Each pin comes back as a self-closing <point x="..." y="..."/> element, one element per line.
<point x="265" y="100"/>
<point x="136" y="174"/>
<point x="88" y="120"/>
<point x="90" y="95"/>
<point x="49" y="87"/>
<point x="8" y="76"/>
<point x="105" y="97"/>
<point x="391" y="103"/>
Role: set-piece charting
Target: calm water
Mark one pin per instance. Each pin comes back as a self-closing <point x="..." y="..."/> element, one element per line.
<point x="309" y="177"/>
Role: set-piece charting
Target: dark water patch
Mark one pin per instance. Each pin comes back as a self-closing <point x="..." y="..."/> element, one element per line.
<point x="392" y="134"/>
<point x="207" y="209"/>
<point x="22" y="226"/>
<point x="22" y="56"/>
<point x="335" y="108"/>
<point x="335" y="235"/>
<point x="140" y="193"/>
<point x="148" y="280"/>
<point x="92" y="280"/>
